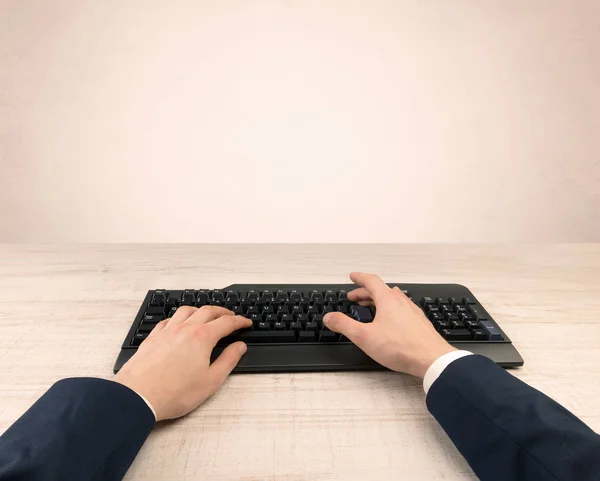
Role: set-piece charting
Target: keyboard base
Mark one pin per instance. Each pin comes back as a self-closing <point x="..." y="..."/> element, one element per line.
<point x="341" y="357"/>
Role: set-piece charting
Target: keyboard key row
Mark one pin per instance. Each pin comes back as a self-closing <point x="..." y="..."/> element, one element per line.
<point x="192" y="297"/>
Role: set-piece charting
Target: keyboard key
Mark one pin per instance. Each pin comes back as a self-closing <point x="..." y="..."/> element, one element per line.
<point x="426" y="301"/>
<point x="440" y="301"/>
<point x="285" y="309"/>
<point x="457" y="325"/>
<point x="156" y="310"/>
<point x="200" y="302"/>
<point x="330" y="296"/>
<point x="279" y="326"/>
<point x="345" y="307"/>
<point x="303" y="318"/>
<point x="287" y="318"/>
<point x="431" y="308"/>
<point x="491" y="330"/>
<point x="444" y="308"/>
<point x="342" y="294"/>
<point x="202" y="297"/>
<point x="188" y="298"/>
<point x="259" y="337"/>
<point x="439" y="325"/>
<point x="171" y="312"/>
<point x="263" y="326"/>
<point x="476" y="312"/>
<point x="456" y="334"/>
<point x="295" y="296"/>
<point x="270" y="318"/>
<point x="468" y="300"/>
<point x="327" y="309"/>
<point x="318" y="318"/>
<point x="232" y="295"/>
<point x="238" y="311"/>
<point x="312" y="326"/>
<point x="138" y="338"/>
<point x="172" y="301"/>
<point x="313" y="310"/>
<point x="471" y="324"/>
<point x="435" y="316"/>
<point x="307" y="336"/>
<point x="281" y="296"/>
<point x="255" y="318"/>
<point x="158" y="298"/>
<point x="361" y="313"/>
<point x="218" y="295"/>
<point x="268" y="310"/>
<point x="146" y="328"/>
<point x="267" y="296"/>
<point x="253" y="310"/>
<point x="152" y="318"/>
<point x="296" y="326"/>
<point x="252" y="296"/>
<point x="328" y="336"/>
<point x="479" y="335"/>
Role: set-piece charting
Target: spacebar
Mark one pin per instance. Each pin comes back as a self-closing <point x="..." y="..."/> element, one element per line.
<point x="302" y="357"/>
<point x="256" y="337"/>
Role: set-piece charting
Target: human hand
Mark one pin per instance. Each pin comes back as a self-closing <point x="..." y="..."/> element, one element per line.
<point x="172" y="369"/>
<point x="400" y="337"/>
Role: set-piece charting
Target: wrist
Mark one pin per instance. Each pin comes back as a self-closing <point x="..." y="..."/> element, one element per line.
<point x="424" y="362"/>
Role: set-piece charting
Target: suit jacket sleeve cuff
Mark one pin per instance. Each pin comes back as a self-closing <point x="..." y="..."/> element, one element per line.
<point x="438" y="366"/>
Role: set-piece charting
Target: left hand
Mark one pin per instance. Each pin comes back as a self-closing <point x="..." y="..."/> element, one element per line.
<point x="172" y="369"/>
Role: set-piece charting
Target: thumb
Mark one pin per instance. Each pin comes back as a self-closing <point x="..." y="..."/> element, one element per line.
<point x="224" y="364"/>
<point x="351" y="328"/>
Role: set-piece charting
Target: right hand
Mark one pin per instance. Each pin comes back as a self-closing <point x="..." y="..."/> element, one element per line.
<point x="400" y="337"/>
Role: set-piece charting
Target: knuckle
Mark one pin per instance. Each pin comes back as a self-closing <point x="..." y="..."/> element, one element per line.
<point x="186" y="310"/>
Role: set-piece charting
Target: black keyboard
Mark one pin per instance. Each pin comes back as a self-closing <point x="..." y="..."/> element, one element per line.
<point x="288" y="333"/>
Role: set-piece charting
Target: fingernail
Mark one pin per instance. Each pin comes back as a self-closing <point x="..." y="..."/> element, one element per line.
<point x="243" y="348"/>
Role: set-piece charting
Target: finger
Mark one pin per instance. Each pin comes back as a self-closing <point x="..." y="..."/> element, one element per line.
<point x="225" y="325"/>
<point x="399" y="294"/>
<point x="159" y="327"/>
<point x="209" y="313"/>
<point x="182" y="314"/>
<point x="359" y="294"/>
<point x="351" y="328"/>
<point x="224" y="364"/>
<point x="372" y="283"/>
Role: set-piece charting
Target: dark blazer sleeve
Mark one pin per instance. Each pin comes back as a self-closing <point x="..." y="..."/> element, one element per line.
<point x="507" y="430"/>
<point x="81" y="429"/>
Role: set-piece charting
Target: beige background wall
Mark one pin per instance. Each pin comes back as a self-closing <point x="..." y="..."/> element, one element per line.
<point x="292" y="121"/>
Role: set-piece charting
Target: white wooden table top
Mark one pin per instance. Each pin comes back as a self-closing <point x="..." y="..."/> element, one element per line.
<point x="64" y="311"/>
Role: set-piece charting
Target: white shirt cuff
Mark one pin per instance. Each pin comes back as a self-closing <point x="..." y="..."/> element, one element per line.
<point x="148" y="403"/>
<point x="438" y="366"/>
<point x="143" y="399"/>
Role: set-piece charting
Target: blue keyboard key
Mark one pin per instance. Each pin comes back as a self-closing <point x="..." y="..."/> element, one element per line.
<point x="361" y="313"/>
<point x="491" y="330"/>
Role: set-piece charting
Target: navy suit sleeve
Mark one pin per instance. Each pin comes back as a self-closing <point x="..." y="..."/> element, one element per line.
<point x="81" y="429"/>
<point x="507" y="430"/>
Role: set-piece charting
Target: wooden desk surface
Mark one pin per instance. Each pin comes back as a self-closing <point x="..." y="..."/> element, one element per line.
<point x="64" y="311"/>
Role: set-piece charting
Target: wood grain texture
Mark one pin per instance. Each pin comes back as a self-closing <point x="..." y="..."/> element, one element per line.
<point x="64" y="311"/>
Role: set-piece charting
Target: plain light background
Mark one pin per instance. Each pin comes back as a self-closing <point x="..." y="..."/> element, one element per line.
<point x="300" y="121"/>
